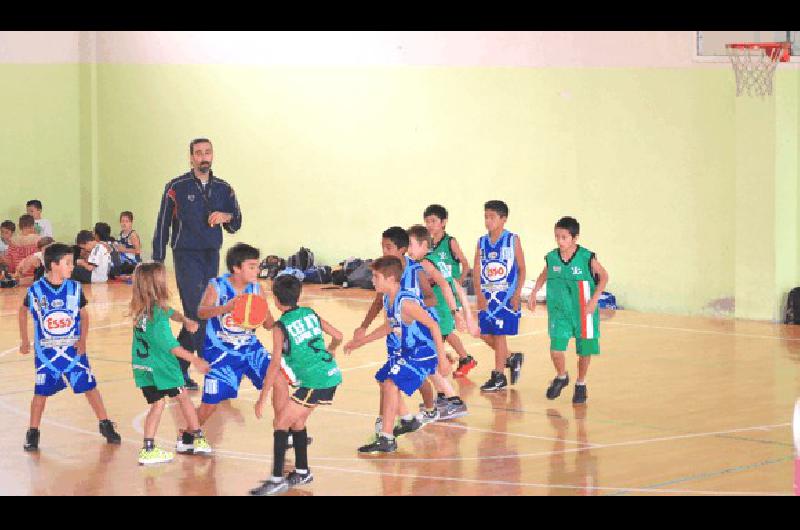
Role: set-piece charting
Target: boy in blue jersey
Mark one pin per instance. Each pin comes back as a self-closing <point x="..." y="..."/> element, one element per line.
<point x="499" y="271"/>
<point x="231" y="351"/>
<point x="395" y="242"/>
<point x="61" y="325"/>
<point x="421" y="349"/>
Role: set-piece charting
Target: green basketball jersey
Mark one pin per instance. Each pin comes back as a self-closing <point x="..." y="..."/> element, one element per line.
<point x="304" y="349"/>
<point x="570" y="285"/>
<point x="442" y="257"/>
<point x="152" y="360"/>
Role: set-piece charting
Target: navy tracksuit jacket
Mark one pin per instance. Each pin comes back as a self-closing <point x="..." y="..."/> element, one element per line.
<point x="184" y="212"/>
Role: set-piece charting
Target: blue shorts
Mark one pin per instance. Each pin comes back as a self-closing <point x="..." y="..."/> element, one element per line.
<point x="50" y="382"/>
<point x="408" y="373"/>
<point x="227" y="369"/>
<point x="505" y="322"/>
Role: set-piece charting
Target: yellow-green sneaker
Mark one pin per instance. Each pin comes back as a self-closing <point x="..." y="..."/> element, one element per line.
<point x="201" y="446"/>
<point x="155" y="455"/>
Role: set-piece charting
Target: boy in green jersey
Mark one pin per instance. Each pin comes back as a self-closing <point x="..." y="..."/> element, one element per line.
<point x="297" y="338"/>
<point x="154" y="357"/>
<point x="448" y="257"/>
<point x="575" y="281"/>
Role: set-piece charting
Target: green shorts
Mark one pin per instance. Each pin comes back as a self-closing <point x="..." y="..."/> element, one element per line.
<point x="562" y="330"/>
<point x="446" y="321"/>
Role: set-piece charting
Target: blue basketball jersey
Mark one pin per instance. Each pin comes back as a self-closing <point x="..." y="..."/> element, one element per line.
<point x="498" y="271"/>
<point x="413" y="341"/>
<point x="221" y="331"/>
<point x="124" y="240"/>
<point x="57" y="323"/>
<point x="410" y="279"/>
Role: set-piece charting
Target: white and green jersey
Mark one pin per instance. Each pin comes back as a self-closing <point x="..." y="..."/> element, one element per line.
<point x="570" y="286"/>
<point x="304" y="349"/>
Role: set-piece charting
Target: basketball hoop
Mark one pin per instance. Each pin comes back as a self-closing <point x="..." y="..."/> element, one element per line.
<point x="754" y="65"/>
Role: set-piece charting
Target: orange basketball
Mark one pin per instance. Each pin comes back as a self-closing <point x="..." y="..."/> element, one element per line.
<point x="249" y="311"/>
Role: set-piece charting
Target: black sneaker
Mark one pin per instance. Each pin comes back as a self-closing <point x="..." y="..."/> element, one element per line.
<point x="190" y="383"/>
<point x="380" y="444"/>
<point x="268" y="487"/>
<point x="407" y="426"/>
<point x="555" y="388"/>
<point x="514" y="362"/>
<point x="107" y="430"/>
<point x="32" y="440"/>
<point x="298" y="479"/>
<point x="497" y="382"/>
<point x="580" y="396"/>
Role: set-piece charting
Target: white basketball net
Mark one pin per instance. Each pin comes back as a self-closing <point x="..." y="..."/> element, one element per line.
<point x="754" y="69"/>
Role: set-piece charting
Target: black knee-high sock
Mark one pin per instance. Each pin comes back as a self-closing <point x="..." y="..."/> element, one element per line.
<point x="300" y="449"/>
<point x="281" y="441"/>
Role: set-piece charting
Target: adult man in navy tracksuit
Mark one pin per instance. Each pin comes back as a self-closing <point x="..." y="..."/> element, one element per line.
<point x="195" y="206"/>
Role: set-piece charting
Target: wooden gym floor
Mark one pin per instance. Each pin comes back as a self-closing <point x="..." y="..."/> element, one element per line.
<point x="677" y="406"/>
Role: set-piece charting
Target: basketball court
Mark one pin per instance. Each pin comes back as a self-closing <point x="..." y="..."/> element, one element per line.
<point x="695" y="390"/>
<point x="716" y="420"/>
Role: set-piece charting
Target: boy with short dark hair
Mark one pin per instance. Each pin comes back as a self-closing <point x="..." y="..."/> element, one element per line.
<point x="61" y="325"/>
<point x="7" y="229"/>
<point x="297" y="338"/>
<point x="421" y="348"/>
<point x="32" y="267"/>
<point x="447" y="255"/>
<point x="96" y="267"/>
<point x="575" y="281"/>
<point x="448" y="403"/>
<point x="231" y="351"/>
<point x="128" y="245"/>
<point x="22" y="244"/>
<point x="43" y="226"/>
<point x="499" y="271"/>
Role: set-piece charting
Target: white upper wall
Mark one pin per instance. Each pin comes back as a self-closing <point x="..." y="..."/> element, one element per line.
<point x="39" y="47"/>
<point x="567" y="49"/>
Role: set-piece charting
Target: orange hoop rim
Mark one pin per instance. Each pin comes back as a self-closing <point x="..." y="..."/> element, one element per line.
<point x="784" y="47"/>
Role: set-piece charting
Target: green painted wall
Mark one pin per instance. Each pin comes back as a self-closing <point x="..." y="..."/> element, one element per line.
<point x="688" y="194"/>
<point x="40" y="143"/>
<point x="328" y="158"/>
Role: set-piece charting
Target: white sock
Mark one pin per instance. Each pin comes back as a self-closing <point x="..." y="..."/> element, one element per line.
<point x="407" y="417"/>
<point x="580" y="383"/>
<point x="562" y="377"/>
<point x="276" y="479"/>
<point x="301" y="471"/>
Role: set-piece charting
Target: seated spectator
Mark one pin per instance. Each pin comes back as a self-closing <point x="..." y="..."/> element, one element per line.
<point x="128" y="245"/>
<point x="22" y="244"/>
<point x="43" y="226"/>
<point x="32" y="267"/>
<point x="7" y="229"/>
<point x="95" y="268"/>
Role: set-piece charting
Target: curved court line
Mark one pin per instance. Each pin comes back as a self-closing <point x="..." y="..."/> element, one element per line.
<point x="234" y="455"/>
<point x="527" y="484"/>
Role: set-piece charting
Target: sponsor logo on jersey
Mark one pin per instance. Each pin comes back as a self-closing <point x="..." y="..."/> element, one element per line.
<point x="58" y="304"/>
<point x="492" y="255"/>
<point x="229" y="324"/>
<point x="494" y="271"/>
<point x="58" y="323"/>
<point x="556" y="268"/>
<point x="576" y="270"/>
<point x="43" y="303"/>
<point x="191" y="198"/>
